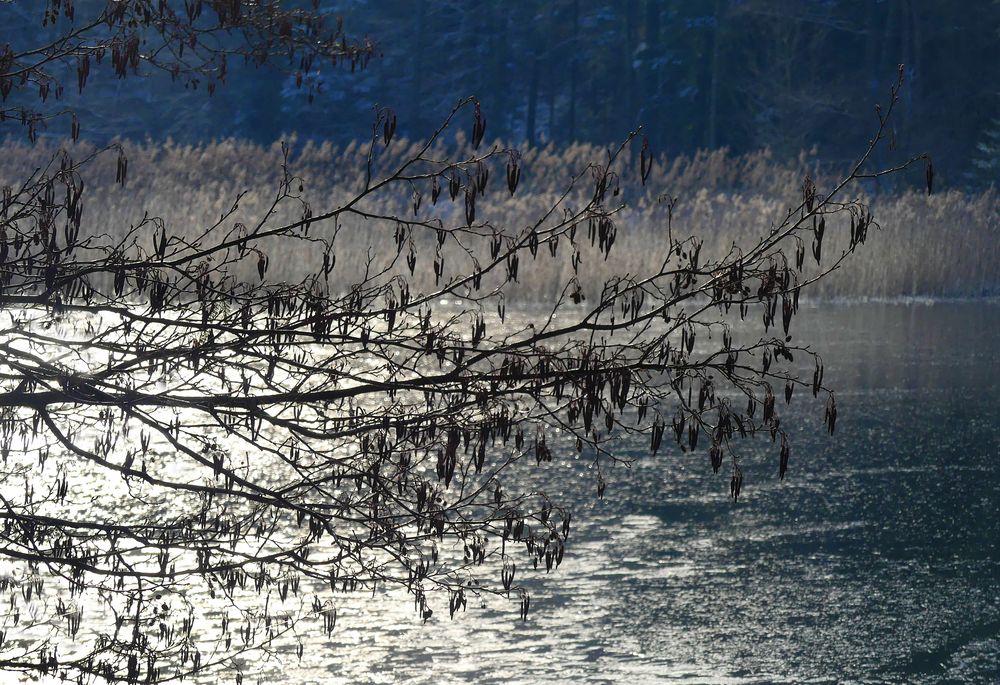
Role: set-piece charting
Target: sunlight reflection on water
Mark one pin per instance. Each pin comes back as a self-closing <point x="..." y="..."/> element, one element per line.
<point x="877" y="559"/>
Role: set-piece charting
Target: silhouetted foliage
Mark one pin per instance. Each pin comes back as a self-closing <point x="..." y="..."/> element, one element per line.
<point x="172" y="418"/>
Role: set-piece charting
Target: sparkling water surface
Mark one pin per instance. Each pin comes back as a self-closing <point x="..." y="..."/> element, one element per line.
<point x="876" y="560"/>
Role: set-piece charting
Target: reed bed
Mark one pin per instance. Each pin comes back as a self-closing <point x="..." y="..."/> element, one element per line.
<point x="943" y="245"/>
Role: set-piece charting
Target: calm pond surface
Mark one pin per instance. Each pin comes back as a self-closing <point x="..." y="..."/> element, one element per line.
<point x="876" y="560"/>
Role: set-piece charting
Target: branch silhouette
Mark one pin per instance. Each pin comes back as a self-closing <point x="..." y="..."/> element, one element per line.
<point x="275" y="442"/>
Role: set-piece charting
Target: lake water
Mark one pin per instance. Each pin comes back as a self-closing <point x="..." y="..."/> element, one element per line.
<point x="876" y="560"/>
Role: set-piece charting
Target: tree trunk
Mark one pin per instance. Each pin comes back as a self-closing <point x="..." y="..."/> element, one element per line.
<point x="651" y="79"/>
<point x="532" y="102"/>
<point x="711" y="140"/>
<point x="573" y="73"/>
<point x="419" y="65"/>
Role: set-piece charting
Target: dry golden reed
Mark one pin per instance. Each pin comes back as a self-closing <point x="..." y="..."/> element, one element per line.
<point x="942" y="245"/>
